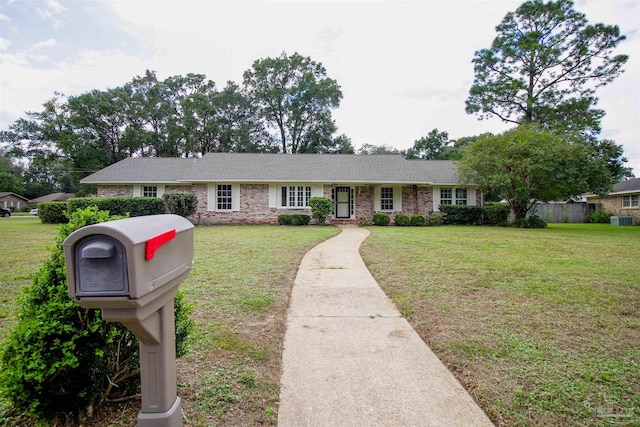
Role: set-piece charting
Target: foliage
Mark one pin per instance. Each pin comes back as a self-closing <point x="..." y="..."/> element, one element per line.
<point x="529" y="164"/>
<point x="131" y="206"/>
<point x="599" y="216"/>
<point x="181" y="203"/>
<point x="462" y="215"/>
<point x="61" y="358"/>
<point x="544" y="66"/>
<point x="53" y="212"/>
<point x="435" y="218"/>
<point x="295" y="97"/>
<point x="417" y="220"/>
<point x="294" y="219"/>
<point x="495" y="213"/>
<point x="402" y="220"/>
<point x="321" y="208"/>
<point x="381" y="218"/>
<point x="11" y="183"/>
<point x="434" y="146"/>
<point x="371" y="149"/>
<point x="532" y="221"/>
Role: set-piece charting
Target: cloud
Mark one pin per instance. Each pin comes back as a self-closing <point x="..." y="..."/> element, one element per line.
<point x="4" y="17"/>
<point x="4" y="44"/>
<point x="44" y="43"/>
<point x="51" y="12"/>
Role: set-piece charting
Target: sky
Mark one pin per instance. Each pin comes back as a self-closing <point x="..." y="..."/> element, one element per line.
<point x="404" y="67"/>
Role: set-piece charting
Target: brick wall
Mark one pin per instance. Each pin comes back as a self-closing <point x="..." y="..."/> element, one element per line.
<point x="115" y="190"/>
<point x="614" y="205"/>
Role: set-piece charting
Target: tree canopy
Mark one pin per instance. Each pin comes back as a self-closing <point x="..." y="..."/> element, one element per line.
<point x="544" y="66"/>
<point x="295" y="97"/>
<point x="529" y="164"/>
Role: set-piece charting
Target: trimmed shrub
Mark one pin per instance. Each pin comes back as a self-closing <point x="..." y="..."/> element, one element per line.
<point x="321" y="208"/>
<point x="53" y="212"/>
<point x="294" y="219"/>
<point x="599" y="217"/>
<point x="402" y="221"/>
<point x="381" y="218"/>
<point x="300" y="219"/>
<point x="61" y="359"/>
<point x="435" y="218"/>
<point x="180" y="203"/>
<point x="417" y="220"/>
<point x="284" y="219"/>
<point x="495" y="213"/>
<point x="131" y="206"/>
<point x="461" y="214"/>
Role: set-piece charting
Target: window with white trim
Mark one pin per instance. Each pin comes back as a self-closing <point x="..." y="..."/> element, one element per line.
<point x="295" y="196"/>
<point x="224" y="197"/>
<point x="149" y="191"/>
<point x="446" y="196"/>
<point x="630" y="201"/>
<point x="386" y="198"/>
<point x="461" y="196"/>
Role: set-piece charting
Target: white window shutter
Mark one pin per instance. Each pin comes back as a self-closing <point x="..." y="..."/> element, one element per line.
<point x="471" y="196"/>
<point x="211" y="197"/>
<point x="235" y="197"/>
<point x="376" y="199"/>
<point x="273" y="195"/>
<point x="317" y="191"/>
<point x="436" y="199"/>
<point x="397" y="198"/>
<point x="160" y="191"/>
<point x="137" y="191"/>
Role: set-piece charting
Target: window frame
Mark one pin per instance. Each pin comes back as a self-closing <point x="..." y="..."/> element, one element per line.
<point x="630" y="201"/>
<point x="295" y="196"/>
<point x="460" y="199"/>
<point x="386" y="200"/>
<point x="224" y="197"/>
<point x="446" y="200"/>
<point x="149" y="190"/>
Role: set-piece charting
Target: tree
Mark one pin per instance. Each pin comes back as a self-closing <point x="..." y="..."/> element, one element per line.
<point x="529" y="164"/>
<point x="295" y="97"/>
<point x="371" y="149"/>
<point x="434" y="146"/>
<point x="544" y="66"/>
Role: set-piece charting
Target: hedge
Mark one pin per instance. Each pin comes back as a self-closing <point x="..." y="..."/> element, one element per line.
<point x="402" y="220"/>
<point x="294" y="219"/>
<point x="461" y="214"/>
<point x="381" y="218"/>
<point x="53" y="212"/>
<point x="132" y="206"/>
<point x="180" y="203"/>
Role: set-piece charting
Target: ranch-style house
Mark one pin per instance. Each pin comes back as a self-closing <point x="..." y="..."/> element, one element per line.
<point x="249" y="188"/>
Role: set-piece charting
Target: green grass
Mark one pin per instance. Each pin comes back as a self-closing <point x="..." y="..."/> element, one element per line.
<point x="541" y="326"/>
<point x="239" y="287"/>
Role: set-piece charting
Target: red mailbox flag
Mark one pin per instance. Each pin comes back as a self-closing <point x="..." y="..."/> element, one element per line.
<point x="154" y="243"/>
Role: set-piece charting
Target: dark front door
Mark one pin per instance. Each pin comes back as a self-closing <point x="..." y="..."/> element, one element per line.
<point x="343" y="202"/>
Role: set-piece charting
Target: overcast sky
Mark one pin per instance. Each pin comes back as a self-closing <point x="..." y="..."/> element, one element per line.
<point x="404" y="67"/>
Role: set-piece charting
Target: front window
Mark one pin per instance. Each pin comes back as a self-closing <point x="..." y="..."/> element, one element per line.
<point x="150" y="191"/>
<point x="386" y="198"/>
<point x="296" y="196"/>
<point x="630" y="201"/>
<point x="224" y="197"/>
<point x="446" y="196"/>
<point x="461" y="196"/>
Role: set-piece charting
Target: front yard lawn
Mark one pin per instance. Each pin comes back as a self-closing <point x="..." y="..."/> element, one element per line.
<point x="541" y="326"/>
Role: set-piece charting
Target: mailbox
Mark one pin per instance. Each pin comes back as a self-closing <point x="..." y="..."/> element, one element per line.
<point x="130" y="269"/>
<point x="129" y="258"/>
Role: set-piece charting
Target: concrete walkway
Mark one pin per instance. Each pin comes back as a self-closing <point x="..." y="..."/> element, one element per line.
<point x="350" y="359"/>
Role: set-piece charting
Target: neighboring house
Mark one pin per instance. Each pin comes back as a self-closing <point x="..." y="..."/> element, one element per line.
<point x="255" y="188"/>
<point x="622" y="201"/>
<point x="13" y="201"/>
<point x="53" y="197"/>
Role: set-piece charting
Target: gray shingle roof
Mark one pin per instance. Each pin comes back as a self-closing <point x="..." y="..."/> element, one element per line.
<point x="251" y="167"/>
<point x="628" y="185"/>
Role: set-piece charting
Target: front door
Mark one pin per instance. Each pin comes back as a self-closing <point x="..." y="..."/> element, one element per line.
<point x="343" y="202"/>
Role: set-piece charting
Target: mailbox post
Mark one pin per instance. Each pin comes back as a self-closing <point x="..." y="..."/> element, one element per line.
<point x="130" y="269"/>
